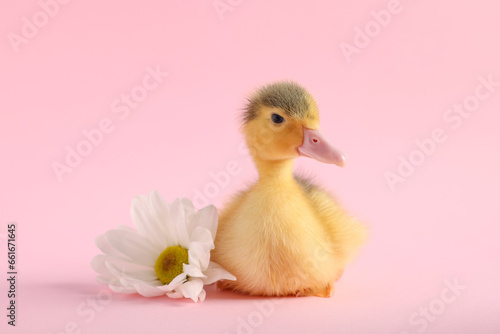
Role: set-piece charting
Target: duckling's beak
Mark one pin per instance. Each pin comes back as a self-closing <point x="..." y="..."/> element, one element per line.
<point x="317" y="147"/>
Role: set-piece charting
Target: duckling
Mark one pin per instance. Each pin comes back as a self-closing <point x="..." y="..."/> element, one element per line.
<point x="284" y="235"/>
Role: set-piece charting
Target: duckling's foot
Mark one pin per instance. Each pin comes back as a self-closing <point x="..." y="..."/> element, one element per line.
<point x="325" y="292"/>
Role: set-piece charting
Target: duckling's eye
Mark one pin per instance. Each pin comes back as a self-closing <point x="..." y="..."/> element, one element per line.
<point x="277" y="119"/>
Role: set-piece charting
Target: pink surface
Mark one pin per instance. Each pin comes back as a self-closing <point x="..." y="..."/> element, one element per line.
<point x="423" y="171"/>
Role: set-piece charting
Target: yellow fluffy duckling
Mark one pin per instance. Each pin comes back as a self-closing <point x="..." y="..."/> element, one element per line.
<point x="284" y="235"/>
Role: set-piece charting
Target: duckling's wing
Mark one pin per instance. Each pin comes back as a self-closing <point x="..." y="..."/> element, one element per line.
<point x="345" y="231"/>
<point x="306" y="184"/>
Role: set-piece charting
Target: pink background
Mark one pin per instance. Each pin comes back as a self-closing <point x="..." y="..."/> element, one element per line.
<point x="439" y="225"/>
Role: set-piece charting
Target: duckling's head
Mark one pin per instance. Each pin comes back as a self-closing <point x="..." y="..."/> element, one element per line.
<point x="281" y="121"/>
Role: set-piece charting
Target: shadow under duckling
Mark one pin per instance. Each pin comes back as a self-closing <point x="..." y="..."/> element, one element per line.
<point x="284" y="235"/>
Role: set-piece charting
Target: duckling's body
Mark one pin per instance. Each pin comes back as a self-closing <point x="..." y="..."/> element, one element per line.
<point x="284" y="236"/>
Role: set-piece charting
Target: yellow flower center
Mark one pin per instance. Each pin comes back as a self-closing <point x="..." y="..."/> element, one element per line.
<point x="169" y="263"/>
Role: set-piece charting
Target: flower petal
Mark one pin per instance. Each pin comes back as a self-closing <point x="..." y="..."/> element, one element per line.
<point x="178" y="222"/>
<point x="203" y="235"/>
<point x="100" y="263"/>
<point x="133" y="246"/>
<point x="119" y="261"/>
<point x="160" y="213"/>
<point x="161" y="210"/>
<point x="192" y="271"/>
<point x="188" y="209"/>
<point x="106" y="248"/>
<point x="118" y="284"/>
<point x="215" y="272"/>
<point x="99" y="267"/>
<point x="146" y="220"/>
<point x="106" y="280"/>
<point x="143" y="275"/>
<point x="117" y="273"/>
<point x="175" y="294"/>
<point x="127" y="228"/>
<point x="123" y="289"/>
<point x="199" y="255"/>
<point x="146" y="275"/>
<point x="207" y="218"/>
<point x="145" y="289"/>
<point x="177" y="281"/>
<point x="192" y="289"/>
<point x="202" y="295"/>
<point x="122" y="265"/>
<point x="138" y="214"/>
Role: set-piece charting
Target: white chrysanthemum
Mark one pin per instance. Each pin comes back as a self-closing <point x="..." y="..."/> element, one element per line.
<point x="168" y="254"/>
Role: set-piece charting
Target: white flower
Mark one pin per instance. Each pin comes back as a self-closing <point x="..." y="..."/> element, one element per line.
<point x="168" y="254"/>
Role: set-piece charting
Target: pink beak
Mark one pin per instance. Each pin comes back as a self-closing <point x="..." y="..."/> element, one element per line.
<point x="317" y="147"/>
